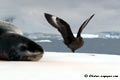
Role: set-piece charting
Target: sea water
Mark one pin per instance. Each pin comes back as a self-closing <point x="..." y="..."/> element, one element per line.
<point x="104" y="42"/>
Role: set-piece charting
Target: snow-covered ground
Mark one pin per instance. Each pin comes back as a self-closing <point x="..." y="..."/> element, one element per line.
<point x="63" y="66"/>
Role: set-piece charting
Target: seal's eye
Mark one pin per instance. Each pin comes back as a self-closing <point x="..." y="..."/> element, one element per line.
<point x="23" y="48"/>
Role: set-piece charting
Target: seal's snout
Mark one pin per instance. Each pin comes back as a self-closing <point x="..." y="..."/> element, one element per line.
<point x="35" y="57"/>
<point x="34" y="47"/>
<point x="35" y="51"/>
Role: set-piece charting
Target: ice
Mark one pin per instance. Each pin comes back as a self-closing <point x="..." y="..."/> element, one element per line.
<point x="43" y="41"/>
<point x="63" y="66"/>
<point x="90" y="36"/>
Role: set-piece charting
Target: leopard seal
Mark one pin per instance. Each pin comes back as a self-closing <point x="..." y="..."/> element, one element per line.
<point x="14" y="46"/>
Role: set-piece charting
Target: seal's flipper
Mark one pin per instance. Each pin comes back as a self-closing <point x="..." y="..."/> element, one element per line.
<point x="62" y="26"/>
<point x="83" y="25"/>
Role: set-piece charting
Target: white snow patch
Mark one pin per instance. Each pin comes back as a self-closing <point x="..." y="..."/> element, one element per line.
<point x="43" y="41"/>
<point x="88" y="35"/>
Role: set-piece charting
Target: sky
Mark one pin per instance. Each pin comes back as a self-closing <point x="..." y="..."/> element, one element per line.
<point x="29" y="14"/>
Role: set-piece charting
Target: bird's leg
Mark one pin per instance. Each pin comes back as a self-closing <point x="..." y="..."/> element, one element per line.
<point x="73" y="50"/>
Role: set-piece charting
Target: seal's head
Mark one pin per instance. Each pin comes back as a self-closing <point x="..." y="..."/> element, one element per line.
<point x="14" y="47"/>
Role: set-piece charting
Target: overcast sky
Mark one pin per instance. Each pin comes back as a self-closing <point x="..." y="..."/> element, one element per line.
<point x="29" y="14"/>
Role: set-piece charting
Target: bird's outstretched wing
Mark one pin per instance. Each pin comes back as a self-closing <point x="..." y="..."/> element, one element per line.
<point x="83" y="25"/>
<point x="62" y="26"/>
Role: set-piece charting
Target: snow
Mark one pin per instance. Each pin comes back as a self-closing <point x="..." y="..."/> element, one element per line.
<point x="89" y="35"/>
<point x="43" y="41"/>
<point x="63" y="66"/>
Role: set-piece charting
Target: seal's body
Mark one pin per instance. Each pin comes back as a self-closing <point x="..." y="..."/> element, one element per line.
<point x="7" y="27"/>
<point x="64" y="28"/>
<point x="15" y="47"/>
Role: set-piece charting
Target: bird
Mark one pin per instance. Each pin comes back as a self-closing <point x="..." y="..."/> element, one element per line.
<point x="63" y="27"/>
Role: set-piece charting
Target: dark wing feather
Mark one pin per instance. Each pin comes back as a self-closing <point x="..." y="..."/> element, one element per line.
<point x="62" y="27"/>
<point x="83" y="25"/>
